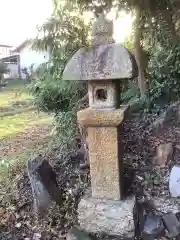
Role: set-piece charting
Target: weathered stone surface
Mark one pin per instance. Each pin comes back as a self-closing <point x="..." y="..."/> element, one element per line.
<point x="153" y="226"/>
<point x="103" y="62"/>
<point x="172" y="225"/>
<point x="106" y="216"/>
<point x="174" y="181"/>
<point x="115" y="217"/>
<point x="104" y="94"/>
<point x="43" y="183"/>
<point x="102" y="118"/>
<point x="164" y="153"/>
<point x="105" y="150"/>
<point x="105" y="159"/>
<point x="77" y="234"/>
<point x="102" y="31"/>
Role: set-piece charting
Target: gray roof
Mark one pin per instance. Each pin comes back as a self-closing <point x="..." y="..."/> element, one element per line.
<point x="103" y="62"/>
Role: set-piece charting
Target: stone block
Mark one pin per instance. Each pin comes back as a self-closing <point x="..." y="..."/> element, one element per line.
<point x="106" y="216"/>
<point x="164" y="153"/>
<point x="43" y="183"/>
<point x="102" y="118"/>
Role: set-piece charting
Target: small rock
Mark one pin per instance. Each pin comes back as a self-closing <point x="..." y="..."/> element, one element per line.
<point x="158" y="124"/>
<point x="37" y="236"/>
<point x="77" y="234"/>
<point x="18" y="225"/>
<point x="84" y="166"/>
<point x="43" y="183"/>
<point x="172" y="225"/>
<point x="174" y="181"/>
<point x="164" y="154"/>
<point x="165" y="118"/>
<point x="153" y="226"/>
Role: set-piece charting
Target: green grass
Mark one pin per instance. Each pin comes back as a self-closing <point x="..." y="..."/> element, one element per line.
<point x="8" y="163"/>
<point x="15" y="124"/>
<point x="15" y="100"/>
<point x="14" y="94"/>
<point x="12" y="126"/>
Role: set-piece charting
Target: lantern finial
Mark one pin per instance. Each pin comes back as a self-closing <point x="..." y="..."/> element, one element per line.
<point x="102" y="31"/>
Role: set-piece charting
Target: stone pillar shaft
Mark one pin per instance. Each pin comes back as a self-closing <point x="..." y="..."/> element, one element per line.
<point x="104" y="155"/>
<point x="105" y="150"/>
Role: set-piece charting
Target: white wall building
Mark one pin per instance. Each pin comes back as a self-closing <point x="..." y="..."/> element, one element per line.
<point x="11" y="63"/>
<point x="29" y="57"/>
<point x="13" y="71"/>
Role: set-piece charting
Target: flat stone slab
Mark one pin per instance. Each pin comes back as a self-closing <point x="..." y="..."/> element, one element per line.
<point x="115" y="217"/>
<point x="94" y="118"/>
<point x="106" y="216"/>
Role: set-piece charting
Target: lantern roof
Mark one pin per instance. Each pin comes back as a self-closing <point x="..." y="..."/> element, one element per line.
<point x="104" y="60"/>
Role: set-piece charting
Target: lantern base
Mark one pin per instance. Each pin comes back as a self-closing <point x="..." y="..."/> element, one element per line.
<point x="115" y="218"/>
<point x="101" y="216"/>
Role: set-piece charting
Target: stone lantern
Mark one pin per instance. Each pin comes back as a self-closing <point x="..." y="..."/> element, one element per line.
<point x="103" y="66"/>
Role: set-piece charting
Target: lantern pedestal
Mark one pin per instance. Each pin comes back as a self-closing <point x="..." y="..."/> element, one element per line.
<point x="106" y="216"/>
<point x="102" y="210"/>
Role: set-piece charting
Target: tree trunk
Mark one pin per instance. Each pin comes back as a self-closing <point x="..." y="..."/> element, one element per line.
<point x="168" y="17"/>
<point x="1" y="78"/>
<point x="139" y="53"/>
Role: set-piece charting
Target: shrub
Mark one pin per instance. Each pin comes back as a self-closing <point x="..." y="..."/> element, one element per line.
<point x="164" y="69"/>
<point x="52" y="95"/>
<point x="29" y="73"/>
<point x="132" y="92"/>
<point x="65" y="123"/>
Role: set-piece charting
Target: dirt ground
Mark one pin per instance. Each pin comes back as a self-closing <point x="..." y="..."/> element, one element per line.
<point x="32" y="137"/>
